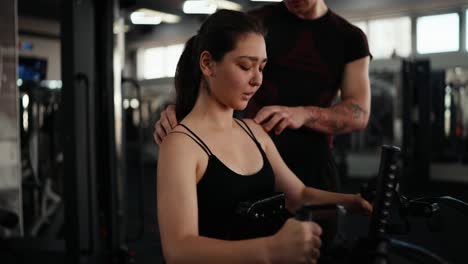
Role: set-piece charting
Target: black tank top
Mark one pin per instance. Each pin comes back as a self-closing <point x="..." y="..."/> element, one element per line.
<point x="220" y="190"/>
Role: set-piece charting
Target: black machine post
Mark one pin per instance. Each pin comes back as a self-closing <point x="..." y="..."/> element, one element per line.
<point x="92" y="144"/>
<point x="416" y="115"/>
<point x="387" y="180"/>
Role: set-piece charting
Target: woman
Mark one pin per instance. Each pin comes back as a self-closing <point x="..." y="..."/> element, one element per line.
<point x="211" y="161"/>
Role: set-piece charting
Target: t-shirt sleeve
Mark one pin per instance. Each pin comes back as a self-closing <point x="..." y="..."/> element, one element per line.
<point x="356" y="45"/>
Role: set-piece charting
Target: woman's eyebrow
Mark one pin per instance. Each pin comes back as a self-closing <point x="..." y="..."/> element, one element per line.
<point x="252" y="58"/>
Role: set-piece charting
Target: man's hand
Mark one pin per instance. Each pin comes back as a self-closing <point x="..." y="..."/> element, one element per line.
<point x="165" y="124"/>
<point x="280" y="117"/>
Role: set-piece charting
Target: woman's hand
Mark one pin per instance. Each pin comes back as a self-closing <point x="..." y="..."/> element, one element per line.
<point x="358" y="205"/>
<point x="296" y="242"/>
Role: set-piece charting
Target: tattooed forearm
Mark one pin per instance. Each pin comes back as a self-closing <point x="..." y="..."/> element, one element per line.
<point x="314" y="116"/>
<point x="337" y="126"/>
<point x="311" y="121"/>
<point x="341" y="118"/>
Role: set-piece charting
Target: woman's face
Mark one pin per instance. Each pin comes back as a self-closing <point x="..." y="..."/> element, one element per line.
<point x="237" y="77"/>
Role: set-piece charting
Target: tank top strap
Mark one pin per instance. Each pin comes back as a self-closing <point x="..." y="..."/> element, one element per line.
<point x="247" y="130"/>
<point x="196" y="139"/>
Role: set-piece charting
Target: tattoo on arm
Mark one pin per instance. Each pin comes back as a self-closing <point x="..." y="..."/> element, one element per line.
<point x="341" y="118"/>
<point x="311" y="121"/>
<point x="356" y="111"/>
<point x="336" y="125"/>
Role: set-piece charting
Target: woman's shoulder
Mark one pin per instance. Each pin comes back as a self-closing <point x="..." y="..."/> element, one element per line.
<point x="257" y="129"/>
<point x="178" y="142"/>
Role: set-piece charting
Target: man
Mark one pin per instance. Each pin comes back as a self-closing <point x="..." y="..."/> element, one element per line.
<point x="313" y="54"/>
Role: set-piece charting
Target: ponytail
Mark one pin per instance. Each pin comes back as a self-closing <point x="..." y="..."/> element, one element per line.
<point x="187" y="79"/>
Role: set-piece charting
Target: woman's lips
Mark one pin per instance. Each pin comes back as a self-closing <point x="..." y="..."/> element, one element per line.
<point x="247" y="96"/>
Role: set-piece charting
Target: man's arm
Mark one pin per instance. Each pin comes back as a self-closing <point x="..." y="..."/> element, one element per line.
<point x="351" y="114"/>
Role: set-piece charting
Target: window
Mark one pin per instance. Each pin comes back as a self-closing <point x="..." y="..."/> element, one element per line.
<point x="153" y="60"/>
<point x="466" y="30"/>
<point x="388" y="37"/>
<point x="438" y="33"/>
<point x="158" y="62"/>
<point x="172" y="58"/>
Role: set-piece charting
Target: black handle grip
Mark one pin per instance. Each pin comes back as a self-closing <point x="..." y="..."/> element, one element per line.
<point x="320" y="212"/>
<point x="304" y="214"/>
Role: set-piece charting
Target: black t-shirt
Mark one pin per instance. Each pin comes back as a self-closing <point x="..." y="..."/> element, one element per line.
<point x="306" y="60"/>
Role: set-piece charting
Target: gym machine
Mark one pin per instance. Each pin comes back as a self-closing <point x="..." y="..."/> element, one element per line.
<point x="382" y="245"/>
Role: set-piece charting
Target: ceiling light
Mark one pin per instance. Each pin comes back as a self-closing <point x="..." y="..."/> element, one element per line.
<point x="223" y="4"/>
<point x="139" y="18"/>
<point x="199" y="7"/>
<point x="208" y="6"/>
<point x="152" y="17"/>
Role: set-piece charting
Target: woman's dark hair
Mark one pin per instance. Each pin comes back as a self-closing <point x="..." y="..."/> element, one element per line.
<point x="218" y="35"/>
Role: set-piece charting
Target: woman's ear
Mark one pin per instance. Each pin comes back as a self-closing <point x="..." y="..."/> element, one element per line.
<point x="207" y="64"/>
